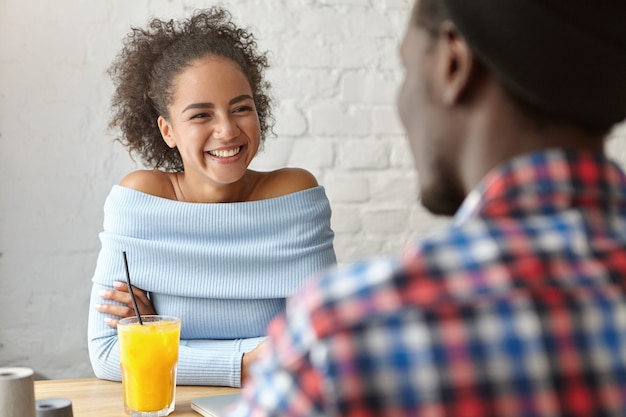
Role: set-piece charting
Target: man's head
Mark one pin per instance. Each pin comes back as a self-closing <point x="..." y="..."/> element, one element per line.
<point x="422" y="106"/>
<point x="558" y="63"/>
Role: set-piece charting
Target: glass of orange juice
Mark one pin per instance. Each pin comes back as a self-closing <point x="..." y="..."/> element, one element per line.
<point x="148" y="357"/>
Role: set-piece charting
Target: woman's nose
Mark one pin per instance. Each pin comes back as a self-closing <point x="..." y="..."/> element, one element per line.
<point x="226" y="128"/>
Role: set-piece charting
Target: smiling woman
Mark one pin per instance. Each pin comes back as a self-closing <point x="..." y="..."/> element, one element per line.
<point x="214" y="125"/>
<point x="208" y="239"/>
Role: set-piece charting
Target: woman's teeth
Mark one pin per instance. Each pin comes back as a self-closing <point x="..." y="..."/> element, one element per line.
<point x="225" y="153"/>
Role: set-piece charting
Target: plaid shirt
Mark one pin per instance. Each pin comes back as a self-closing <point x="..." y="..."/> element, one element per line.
<point x="517" y="309"/>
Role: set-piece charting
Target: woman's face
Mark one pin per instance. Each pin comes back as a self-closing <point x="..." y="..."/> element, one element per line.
<point x="213" y="120"/>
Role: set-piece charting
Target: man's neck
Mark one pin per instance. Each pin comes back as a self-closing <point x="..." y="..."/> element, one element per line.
<point x="497" y="131"/>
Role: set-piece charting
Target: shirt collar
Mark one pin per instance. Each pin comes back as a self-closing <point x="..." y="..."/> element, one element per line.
<point x="543" y="181"/>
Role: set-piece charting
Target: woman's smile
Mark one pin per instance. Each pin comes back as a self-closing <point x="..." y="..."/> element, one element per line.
<point x="225" y="153"/>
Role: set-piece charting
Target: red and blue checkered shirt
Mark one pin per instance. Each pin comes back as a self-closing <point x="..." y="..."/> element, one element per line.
<point x="518" y="308"/>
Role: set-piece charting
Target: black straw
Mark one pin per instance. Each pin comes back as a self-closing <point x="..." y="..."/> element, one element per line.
<point x="130" y="289"/>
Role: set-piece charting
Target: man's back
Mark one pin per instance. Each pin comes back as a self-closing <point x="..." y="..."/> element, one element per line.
<point x="517" y="309"/>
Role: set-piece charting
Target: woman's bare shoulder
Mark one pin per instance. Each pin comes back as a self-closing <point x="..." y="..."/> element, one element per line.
<point x="284" y="181"/>
<point x="153" y="182"/>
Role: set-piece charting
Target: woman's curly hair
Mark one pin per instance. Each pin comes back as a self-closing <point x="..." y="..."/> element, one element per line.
<point x="145" y="69"/>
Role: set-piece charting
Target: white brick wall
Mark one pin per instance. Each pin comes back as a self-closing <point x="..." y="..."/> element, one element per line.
<point x="335" y="74"/>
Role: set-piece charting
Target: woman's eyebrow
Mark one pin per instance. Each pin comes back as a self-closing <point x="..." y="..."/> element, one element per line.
<point x="240" y="98"/>
<point x="211" y="105"/>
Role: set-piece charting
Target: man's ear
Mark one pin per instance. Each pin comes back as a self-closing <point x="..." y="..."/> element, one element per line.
<point x="457" y="65"/>
<point x="166" y="131"/>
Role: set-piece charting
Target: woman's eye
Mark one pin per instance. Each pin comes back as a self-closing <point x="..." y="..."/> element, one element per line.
<point x="200" y="115"/>
<point x="242" y="109"/>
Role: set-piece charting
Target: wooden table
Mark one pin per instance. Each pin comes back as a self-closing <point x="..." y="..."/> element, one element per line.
<point x="93" y="397"/>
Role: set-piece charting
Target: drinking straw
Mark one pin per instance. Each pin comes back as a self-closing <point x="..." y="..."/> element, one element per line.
<point x="130" y="289"/>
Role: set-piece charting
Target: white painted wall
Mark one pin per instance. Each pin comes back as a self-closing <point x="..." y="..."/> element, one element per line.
<point x="335" y="75"/>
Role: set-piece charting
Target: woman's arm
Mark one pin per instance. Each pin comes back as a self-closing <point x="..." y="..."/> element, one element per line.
<point x="123" y="306"/>
<point x="200" y="362"/>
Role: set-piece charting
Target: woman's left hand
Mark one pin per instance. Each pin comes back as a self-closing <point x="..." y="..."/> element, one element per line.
<point x="250" y="357"/>
<point x="120" y="294"/>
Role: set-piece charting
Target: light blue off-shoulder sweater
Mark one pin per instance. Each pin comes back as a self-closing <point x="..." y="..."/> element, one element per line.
<point x="225" y="269"/>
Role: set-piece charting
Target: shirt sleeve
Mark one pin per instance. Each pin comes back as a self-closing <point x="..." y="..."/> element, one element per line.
<point x="200" y="362"/>
<point x="285" y="382"/>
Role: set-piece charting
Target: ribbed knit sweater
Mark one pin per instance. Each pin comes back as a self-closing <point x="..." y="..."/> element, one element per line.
<point x="225" y="269"/>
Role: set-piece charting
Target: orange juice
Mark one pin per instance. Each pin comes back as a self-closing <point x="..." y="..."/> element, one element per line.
<point x="148" y="357"/>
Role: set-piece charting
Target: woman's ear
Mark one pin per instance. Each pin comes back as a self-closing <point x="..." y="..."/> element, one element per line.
<point x="457" y="65"/>
<point x="166" y="131"/>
